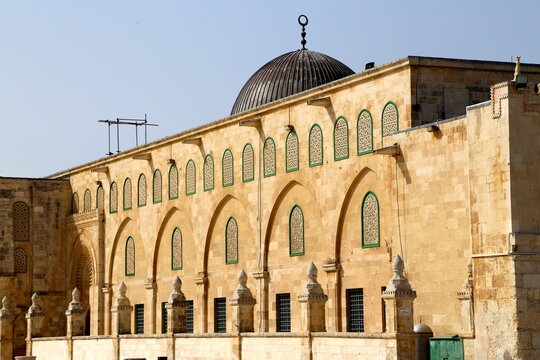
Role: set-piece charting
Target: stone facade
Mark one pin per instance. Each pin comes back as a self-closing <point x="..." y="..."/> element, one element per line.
<point x="238" y="210"/>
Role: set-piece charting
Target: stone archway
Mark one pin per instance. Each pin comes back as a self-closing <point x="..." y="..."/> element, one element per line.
<point x="82" y="277"/>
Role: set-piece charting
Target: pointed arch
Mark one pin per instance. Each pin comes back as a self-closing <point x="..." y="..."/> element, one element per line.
<point x="364" y="133"/>
<point x="227" y="168"/>
<point x="269" y="154"/>
<point x="87" y="205"/>
<point x="127" y="198"/>
<point x="248" y="163"/>
<point x="316" y="151"/>
<point x="156" y="187"/>
<point x="112" y="254"/>
<point x="100" y="198"/>
<point x="191" y="176"/>
<point x="292" y="153"/>
<point x="141" y="191"/>
<point x="341" y="139"/>
<point x="173" y="182"/>
<point x="113" y="198"/>
<point x="208" y="173"/>
<point x="215" y="214"/>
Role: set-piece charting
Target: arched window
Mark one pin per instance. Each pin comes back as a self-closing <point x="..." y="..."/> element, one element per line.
<point x="370" y="221"/>
<point x="364" y="132"/>
<point x="208" y="173"/>
<point x="100" y="198"/>
<point x="269" y="154"/>
<point x="156" y="187"/>
<point x="130" y="256"/>
<point x="390" y="119"/>
<point x="248" y="163"/>
<point x="20" y="221"/>
<point x="191" y="187"/>
<point x="173" y="182"/>
<point x="315" y="146"/>
<point x="227" y="164"/>
<point x="141" y="190"/>
<point x="113" y="198"/>
<point x="296" y="231"/>
<point x="75" y="203"/>
<point x="341" y="139"/>
<point x="231" y="241"/>
<point x="20" y="260"/>
<point x="291" y="152"/>
<point x="127" y="194"/>
<point x="176" y="250"/>
<point x="87" y="200"/>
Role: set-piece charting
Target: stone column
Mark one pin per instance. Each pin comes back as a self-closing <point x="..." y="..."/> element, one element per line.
<point x="201" y="305"/>
<point x="331" y="267"/>
<point x="312" y="300"/>
<point x="262" y="291"/>
<point x="121" y="312"/>
<point x="75" y="315"/>
<point x="465" y="295"/>
<point x="107" y="299"/>
<point x="176" y="309"/>
<point x="242" y="303"/>
<point x="150" y="315"/>
<point x="7" y="316"/>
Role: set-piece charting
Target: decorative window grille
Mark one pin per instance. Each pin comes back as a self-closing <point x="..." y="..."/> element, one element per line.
<point x="113" y="198"/>
<point x="20" y="260"/>
<point x="220" y="315"/>
<point x="189" y="316"/>
<point x="315" y="146"/>
<point x="75" y="203"/>
<point x="390" y="119"/>
<point x="355" y="310"/>
<point x="87" y="201"/>
<point x="100" y="198"/>
<point x="173" y="182"/>
<point x="191" y="187"/>
<point x="141" y="193"/>
<point x="228" y="168"/>
<point x="248" y="164"/>
<point x="156" y="187"/>
<point x="208" y="173"/>
<point x="341" y="139"/>
<point x="130" y="257"/>
<point x="364" y="133"/>
<point x="296" y="232"/>
<point x="231" y="241"/>
<point x="370" y="221"/>
<point x="176" y="250"/>
<point x="163" y="318"/>
<point x="127" y="194"/>
<point x="269" y="154"/>
<point x="283" y="318"/>
<point x="21" y="221"/>
<point x="139" y="318"/>
<point x="291" y="152"/>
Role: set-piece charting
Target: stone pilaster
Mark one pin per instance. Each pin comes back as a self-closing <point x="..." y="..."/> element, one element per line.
<point x="242" y="304"/>
<point x="262" y="291"/>
<point x="121" y="312"/>
<point x="150" y="315"/>
<point x="333" y="288"/>
<point x="465" y="295"/>
<point x="176" y="309"/>
<point x="34" y="318"/>
<point x="107" y="299"/>
<point x="312" y="300"/>
<point x="7" y="316"/>
<point x="75" y="315"/>
<point x="201" y="325"/>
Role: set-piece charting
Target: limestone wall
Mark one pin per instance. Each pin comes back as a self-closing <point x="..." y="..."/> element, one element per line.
<point x="90" y="348"/>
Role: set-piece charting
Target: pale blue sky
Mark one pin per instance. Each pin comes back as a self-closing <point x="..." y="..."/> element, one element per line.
<point x="66" y="64"/>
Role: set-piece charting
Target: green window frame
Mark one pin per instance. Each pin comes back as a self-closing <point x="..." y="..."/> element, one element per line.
<point x="292" y="154"/>
<point x="231" y="241"/>
<point x="313" y="143"/>
<point x="141" y="191"/>
<point x="227" y="170"/>
<point x="387" y="123"/>
<point x="157" y="187"/>
<point x="75" y="203"/>
<point x="177" y="241"/>
<point x="87" y="204"/>
<point x="173" y="182"/>
<point x="248" y="170"/>
<point x="208" y="173"/>
<point x="364" y="124"/>
<point x="341" y="140"/>
<point x="269" y="157"/>
<point x="191" y="178"/>
<point x="128" y="194"/>
<point x="100" y="198"/>
<point x="294" y="233"/>
<point x="374" y="217"/>
<point x="113" y="195"/>
<point x="129" y="257"/>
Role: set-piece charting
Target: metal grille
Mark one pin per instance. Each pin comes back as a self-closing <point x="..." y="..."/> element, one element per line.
<point x="283" y="312"/>
<point x="21" y="221"/>
<point x="113" y="200"/>
<point x="141" y="193"/>
<point x="157" y="186"/>
<point x="220" y="315"/>
<point x="163" y="318"/>
<point x="355" y="310"/>
<point x="139" y="318"/>
<point x="100" y="198"/>
<point x="87" y="201"/>
<point x="189" y="316"/>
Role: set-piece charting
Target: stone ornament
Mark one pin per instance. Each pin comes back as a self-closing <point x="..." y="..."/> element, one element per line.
<point x="398" y="284"/>
<point x="8" y="310"/>
<point x="312" y="290"/>
<point x="177" y="296"/>
<point x="35" y="309"/>
<point x="242" y="294"/>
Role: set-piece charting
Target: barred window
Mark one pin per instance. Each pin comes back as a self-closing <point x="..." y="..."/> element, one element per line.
<point x="390" y="119"/>
<point x="291" y="152"/>
<point x="100" y="198"/>
<point x="315" y="146"/>
<point x="227" y="164"/>
<point x="139" y="318"/>
<point x="113" y="198"/>
<point x="141" y="193"/>
<point x="248" y="164"/>
<point x="21" y="221"/>
<point x="173" y="182"/>
<point x="156" y="187"/>
<point x="370" y="221"/>
<point x="20" y="260"/>
<point x="220" y="315"/>
<point x="364" y="133"/>
<point x="176" y="250"/>
<point x="296" y="232"/>
<point x="355" y="310"/>
<point x="269" y="154"/>
<point x="163" y="318"/>
<point x="130" y="257"/>
<point x="75" y="203"/>
<point x="283" y="307"/>
<point x="341" y="139"/>
<point x="231" y="242"/>
<point x="208" y="173"/>
<point x="127" y="194"/>
<point x="191" y="187"/>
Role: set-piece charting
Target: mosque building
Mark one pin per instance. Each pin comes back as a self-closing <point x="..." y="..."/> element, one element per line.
<point x="383" y="214"/>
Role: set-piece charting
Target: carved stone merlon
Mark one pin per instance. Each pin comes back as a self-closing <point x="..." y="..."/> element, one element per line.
<point x="312" y="300"/>
<point x="398" y="298"/>
<point x="121" y="312"/>
<point x="75" y="315"/>
<point x="34" y="318"/>
<point x="465" y="295"/>
<point x="242" y="303"/>
<point x="7" y="316"/>
<point x="176" y="308"/>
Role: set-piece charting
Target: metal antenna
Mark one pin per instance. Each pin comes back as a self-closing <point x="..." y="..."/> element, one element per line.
<point x="303" y="20"/>
<point x="134" y="122"/>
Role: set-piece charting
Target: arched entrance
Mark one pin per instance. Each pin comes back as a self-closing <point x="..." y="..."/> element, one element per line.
<point x="82" y="277"/>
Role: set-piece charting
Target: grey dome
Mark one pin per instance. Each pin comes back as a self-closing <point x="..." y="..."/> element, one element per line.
<point x="286" y="75"/>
